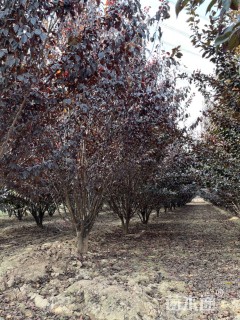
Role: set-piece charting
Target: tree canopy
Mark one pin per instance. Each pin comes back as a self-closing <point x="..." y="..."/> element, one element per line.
<point x="88" y="118"/>
<point x="225" y="30"/>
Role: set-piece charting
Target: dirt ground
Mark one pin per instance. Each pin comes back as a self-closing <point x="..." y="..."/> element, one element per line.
<point x="185" y="265"/>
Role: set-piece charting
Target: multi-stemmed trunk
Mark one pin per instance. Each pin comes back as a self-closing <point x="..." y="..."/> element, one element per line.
<point x="38" y="215"/>
<point x="144" y="214"/>
<point x="124" y="212"/>
<point x="125" y="225"/>
<point x="83" y="223"/>
<point x="83" y="207"/>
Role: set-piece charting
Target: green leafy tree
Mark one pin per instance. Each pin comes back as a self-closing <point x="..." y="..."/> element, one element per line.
<point x="224" y="30"/>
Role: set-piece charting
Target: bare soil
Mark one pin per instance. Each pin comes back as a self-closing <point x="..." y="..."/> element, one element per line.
<point x="184" y="265"/>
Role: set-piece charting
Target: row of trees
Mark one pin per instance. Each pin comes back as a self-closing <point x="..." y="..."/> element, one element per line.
<point x="86" y="116"/>
<point x="218" y="150"/>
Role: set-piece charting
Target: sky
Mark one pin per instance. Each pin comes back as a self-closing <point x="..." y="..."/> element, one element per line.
<point x="177" y="32"/>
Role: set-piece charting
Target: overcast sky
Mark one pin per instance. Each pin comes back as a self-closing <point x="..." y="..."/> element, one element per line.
<point x="177" y="32"/>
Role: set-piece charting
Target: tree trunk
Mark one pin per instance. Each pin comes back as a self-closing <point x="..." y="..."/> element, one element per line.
<point x="145" y="221"/>
<point x="125" y="226"/>
<point x="40" y="224"/>
<point x="82" y="242"/>
<point x="35" y="216"/>
<point x="38" y="219"/>
<point x="19" y="214"/>
<point x="10" y="131"/>
<point x="41" y="216"/>
<point x="145" y="214"/>
<point x="165" y="208"/>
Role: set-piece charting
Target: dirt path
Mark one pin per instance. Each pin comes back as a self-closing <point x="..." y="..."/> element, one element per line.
<point x="184" y="266"/>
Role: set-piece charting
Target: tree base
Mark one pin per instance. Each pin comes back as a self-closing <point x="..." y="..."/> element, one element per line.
<point x="82" y="243"/>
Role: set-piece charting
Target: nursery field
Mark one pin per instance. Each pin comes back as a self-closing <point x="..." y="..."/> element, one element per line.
<point x="184" y="265"/>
